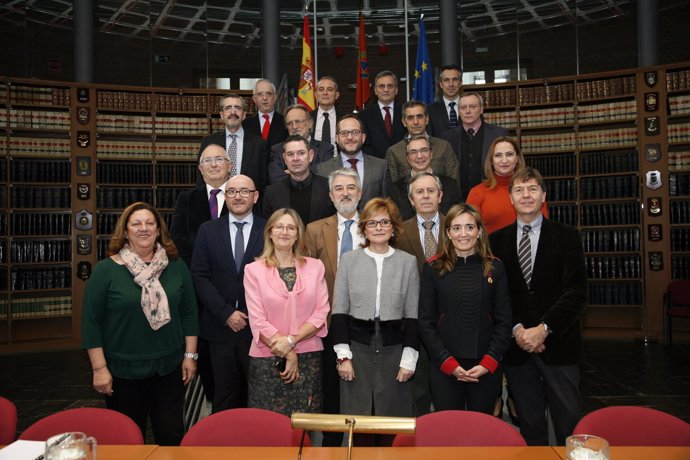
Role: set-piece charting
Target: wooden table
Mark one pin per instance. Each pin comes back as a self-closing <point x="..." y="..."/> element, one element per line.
<point x="125" y="452"/>
<point x="641" y="453"/>
<point x="369" y="453"/>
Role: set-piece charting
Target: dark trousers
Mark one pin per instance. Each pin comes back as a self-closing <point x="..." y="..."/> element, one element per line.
<point x="204" y="368"/>
<point x="537" y="387"/>
<point x="331" y="390"/>
<point x="421" y="393"/>
<point x="230" y="363"/>
<point x="160" y="397"/>
<point x="450" y="394"/>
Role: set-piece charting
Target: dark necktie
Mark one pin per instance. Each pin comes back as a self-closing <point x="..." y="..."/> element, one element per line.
<point x="239" y="245"/>
<point x="429" y="240"/>
<point x="525" y="254"/>
<point x="470" y="133"/>
<point x="453" y="115"/>
<point x="346" y="244"/>
<point x="232" y="154"/>
<point x="266" y="128"/>
<point x="353" y="163"/>
<point x="326" y="129"/>
<point x="213" y="203"/>
<point x="387" y="122"/>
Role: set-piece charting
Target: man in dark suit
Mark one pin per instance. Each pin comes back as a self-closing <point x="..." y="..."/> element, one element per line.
<point x="267" y="123"/>
<point x="302" y="190"/>
<point x="326" y="116"/>
<point x="327" y="239"/>
<point x="223" y="247"/>
<point x="382" y="121"/>
<point x="419" y="156"/>
<point x="247" y="152"/>
<point x="415" y="120"/>
<point x="373" y="173"/>
<point x="548" y="291"/>
<point x="299" y="123"/>
<point x="426" y="196"/>
<point x="471" y="140"/>
<point x="443" y="114"/>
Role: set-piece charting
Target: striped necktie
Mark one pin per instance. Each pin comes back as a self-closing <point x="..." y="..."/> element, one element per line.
<point x="525" y="254"/>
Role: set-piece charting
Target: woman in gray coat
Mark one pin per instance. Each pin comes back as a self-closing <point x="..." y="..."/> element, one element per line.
<point x="374" y="323"/>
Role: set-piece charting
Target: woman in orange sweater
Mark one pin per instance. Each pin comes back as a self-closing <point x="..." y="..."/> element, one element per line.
<point x="491" y="198"/>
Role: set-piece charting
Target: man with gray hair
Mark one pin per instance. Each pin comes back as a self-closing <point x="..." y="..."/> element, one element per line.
<point x="328" y="239"/>
<point x="267" y="123"/>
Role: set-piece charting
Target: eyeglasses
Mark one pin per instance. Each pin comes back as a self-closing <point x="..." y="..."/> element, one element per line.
<point x="213" y="161"/>
<point x="423" y="151"/>
<point x="264" y="94"/>
<point x="292" y="123"/>
<point x="244" y="192"/>
<point x="280" y="228"/>
<point x="384" y="223"/>
<point x="350" y="132"/>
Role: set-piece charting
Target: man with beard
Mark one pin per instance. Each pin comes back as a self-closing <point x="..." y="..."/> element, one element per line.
<point x="247" y="152"/>
<point x="372" y="171"/>
<point x="327" y="239"/>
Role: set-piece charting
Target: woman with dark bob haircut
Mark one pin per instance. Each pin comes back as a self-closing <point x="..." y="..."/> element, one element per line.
<point x="140" y="324"/>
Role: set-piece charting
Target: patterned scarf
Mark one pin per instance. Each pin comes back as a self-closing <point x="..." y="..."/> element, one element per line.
<point x="154" y="301"/>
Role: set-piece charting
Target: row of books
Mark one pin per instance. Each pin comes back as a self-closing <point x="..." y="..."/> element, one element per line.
<point x="177" y="173"/>
<point x="38" y="251"/>
<point x="680" y="239"/>
<point x="177" y="150"/>
<point x="597" y="89"/>
<point x="40" y="196"/>
<point x="39" y="170"/>
<point x="39" y="146"/>
<point x="608" y="111"/>
<point x="680" y="212"/>
<point x="117" y="149"/>
<point x="120" y="198"/>
<point x="39" y="95"/>
<point x="598" y="188"/>
<point x="123" y="100"/>
<point x="40" y="223"/>
<point x="677" y="80"/>
<point x="561" y="189"/>
<point x="553" y="165"/>
<point x="544" y="94"/>
<point x="612" y="267"/>
<point x="679" y="184"/>
<point x="615" y="293"/>
<point x="108" y="172"/>
<point x="105" y="222"/>
<point x="618" y="240"/>
<point x="508" y="120"/>
<point x="679" y="160"/>
<point x="25" y="279"/>
<point x="618" y="137"/>
<point x="167" y="196"/>
<point x="619" y="213"/>
<point x="679" y="104"/>
<point x="609" y="162"/>
<point x="680" y="267"/>
<point x="162" y="102"/>
<point x="50" y="120"/>
<point x="141" y="124"/>
<point x="563" y="213"/>
<point x="679" y="132"/>
<point x="547" y="117"/>
<point x="182" y="103"/>
<point x="553" y="142"/>
<point x="42" y="306"/>
<point x="499" y="97"/>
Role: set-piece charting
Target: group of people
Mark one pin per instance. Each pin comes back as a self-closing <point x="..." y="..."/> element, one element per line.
<point x="328" y="262"/>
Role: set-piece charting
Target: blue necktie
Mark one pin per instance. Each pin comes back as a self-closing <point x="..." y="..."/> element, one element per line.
<point x="346" y="244"/>
<point x="453" y="115"/>
<point x="239" y="245"/>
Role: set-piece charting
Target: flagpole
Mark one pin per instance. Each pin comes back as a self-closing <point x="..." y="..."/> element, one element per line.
<point x="407" y="58"/>
<point x="315" y="46"/>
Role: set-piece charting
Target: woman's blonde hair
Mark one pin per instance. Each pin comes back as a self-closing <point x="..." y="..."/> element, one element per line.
<point x="119" y="238"/>
<point x="299" y="247"/>
<point x="490" y="178"/>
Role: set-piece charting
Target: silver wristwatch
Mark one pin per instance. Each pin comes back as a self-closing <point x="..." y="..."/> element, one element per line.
<point x="193" y="356"/>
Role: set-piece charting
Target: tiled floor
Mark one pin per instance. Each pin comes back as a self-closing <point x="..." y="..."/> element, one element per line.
<point x="614" y="373"/>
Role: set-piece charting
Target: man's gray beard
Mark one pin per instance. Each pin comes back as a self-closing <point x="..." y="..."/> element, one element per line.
<point x="346" y="208"/>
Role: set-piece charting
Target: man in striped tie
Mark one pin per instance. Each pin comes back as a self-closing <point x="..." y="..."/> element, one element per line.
<point x="548" y="291"/>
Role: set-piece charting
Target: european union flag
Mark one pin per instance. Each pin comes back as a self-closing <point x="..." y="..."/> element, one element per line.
<point x="423" y="77"/>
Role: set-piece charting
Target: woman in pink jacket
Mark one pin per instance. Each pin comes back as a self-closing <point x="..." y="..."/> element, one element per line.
<point x="287" y="300"/>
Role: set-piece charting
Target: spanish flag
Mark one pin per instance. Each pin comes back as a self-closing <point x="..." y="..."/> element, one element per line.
<point x="305" y="92"/>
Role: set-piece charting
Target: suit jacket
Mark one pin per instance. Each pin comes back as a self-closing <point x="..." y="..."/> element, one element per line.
<point x="254" y="156"/>
<point x="557" y="295"/>
<point x="338" y="114"/>
<point x="322" y="239"/>
<point x="219" y="287"/>
<point x="439" y="122"/>
<point x="278" y="196"/>
<point x="410" y="243"/>
<point x="491" y="132"/>
<point x="444" y="161"/>
<point x="451" y="195"/>
<point x="191" y="210"/>
<point x="377" y="142"/>
<point x="276" y="167"/>
<point x="376" y="178"/>
<point x="277" y="133"/>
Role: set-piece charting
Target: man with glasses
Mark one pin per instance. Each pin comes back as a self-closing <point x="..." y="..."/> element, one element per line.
<point x="222" y="249"/>
<point x="382" y="120"/>
<point x="267" y="123"/>
<point x="302" y="190"/>
<point x="419" y="157"/>
<point x="247" y="152"/>
<point x="299" y="123"/>
<point x="372" y="171"/>
<point x="415" y="120"/>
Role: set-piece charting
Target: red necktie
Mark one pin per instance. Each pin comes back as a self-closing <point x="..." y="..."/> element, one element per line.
<point x="387" y="122"/>
<point x="353" y="162"/>
<point x="267" y="127"/>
